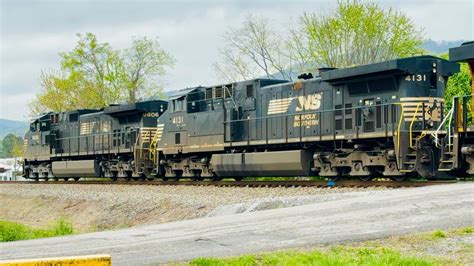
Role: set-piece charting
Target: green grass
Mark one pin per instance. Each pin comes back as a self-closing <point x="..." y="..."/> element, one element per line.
<point x="463" y="231"/>
<point x="11" y="231"/>
<point x="438" y="234"/>
<point x="467" y="230"/>
<point x="335" y="256"/>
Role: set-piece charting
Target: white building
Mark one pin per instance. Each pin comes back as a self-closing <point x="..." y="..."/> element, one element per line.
<point x="12" y="167"/>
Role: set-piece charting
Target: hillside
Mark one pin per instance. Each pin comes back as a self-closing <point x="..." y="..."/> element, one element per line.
<point x="438" y="47"/>
<point x="11" y="126"/>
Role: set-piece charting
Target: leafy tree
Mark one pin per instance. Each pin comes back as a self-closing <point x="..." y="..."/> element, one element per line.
<point x="17" y="148"/>
<point x="254" y="49"/>
<point x="354" y="33"/>
<point x="12" y="146"/>
<point x="458" y="84"/>
<point x="360" y="33"/>
<point x="94" y="75"/>
<point x="144" y="62"/>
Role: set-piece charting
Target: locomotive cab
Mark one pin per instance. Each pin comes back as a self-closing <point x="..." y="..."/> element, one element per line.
<point x="402" y="99"/>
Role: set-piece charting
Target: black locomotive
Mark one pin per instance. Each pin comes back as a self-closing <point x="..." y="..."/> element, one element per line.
<point x="386" y="119"/>
<point x="113" y="142"/>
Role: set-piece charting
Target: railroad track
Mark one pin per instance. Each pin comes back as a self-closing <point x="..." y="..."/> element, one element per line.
<point x="341" y="183"/>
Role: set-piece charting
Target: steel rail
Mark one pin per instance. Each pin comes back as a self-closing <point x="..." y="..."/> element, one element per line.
<point x="326" y="184"/>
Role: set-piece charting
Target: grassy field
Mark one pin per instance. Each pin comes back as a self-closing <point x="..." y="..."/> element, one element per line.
<point x="415" y="249"/>
<point x="335" y="256"/>
<point x="10" y="231"/>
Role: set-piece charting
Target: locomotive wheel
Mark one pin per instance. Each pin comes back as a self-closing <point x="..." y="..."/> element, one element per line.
<point x="196" y="175"/>
<point x="66" y="178"/>
<point x="238" y="178"/>
<point x="46" y="179"/>
<point x="56" y="179"/>
<point x="398" y="178"/>
<point x="366" y="178"/>
<point x="216" y="178"/>
<point x="164" y="178"/>
<point x="76" y="178"/>
<point x="177" y="175"/>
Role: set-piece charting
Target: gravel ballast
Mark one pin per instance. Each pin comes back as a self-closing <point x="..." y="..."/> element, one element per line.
<point x="99" y="207"/>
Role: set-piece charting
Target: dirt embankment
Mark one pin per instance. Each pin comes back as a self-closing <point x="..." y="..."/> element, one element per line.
<point x="101" y="207"/>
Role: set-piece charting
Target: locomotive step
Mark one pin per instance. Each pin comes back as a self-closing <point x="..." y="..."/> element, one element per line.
<point x="444" y="169"/>
<point x="447" y="161"/>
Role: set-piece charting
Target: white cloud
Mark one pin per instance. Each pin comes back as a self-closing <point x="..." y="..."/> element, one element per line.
<point x="12" y="106"/>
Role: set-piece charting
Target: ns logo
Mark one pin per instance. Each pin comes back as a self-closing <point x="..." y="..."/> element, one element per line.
<point x="309" y="102"/>
<point x="303" y="103"/>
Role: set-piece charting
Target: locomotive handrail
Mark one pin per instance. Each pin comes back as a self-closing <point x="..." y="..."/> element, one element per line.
<point x="411" y="124"/>
<point x="388" y="115"/>
<point x="322" y="112"/>
<point x="153" y="143"/>
<point x="135" y="152"/>
<point x="91" y="135"/>
<point x="448" y="117"/>
<point x="306" y="113"/>
<point x="400" y="120"/>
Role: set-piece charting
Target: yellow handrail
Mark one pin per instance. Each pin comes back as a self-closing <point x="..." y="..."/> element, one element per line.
<point x="135" y="154"/>
<point x="412" y="122"/>
<point x="154" y="141"/>
<point x="400" y="120"/>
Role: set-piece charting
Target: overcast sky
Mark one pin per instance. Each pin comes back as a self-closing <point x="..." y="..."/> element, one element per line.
<point x="34" y="32"/>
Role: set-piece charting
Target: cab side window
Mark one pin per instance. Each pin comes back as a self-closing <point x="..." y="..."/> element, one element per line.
<point x="178" y="105"/>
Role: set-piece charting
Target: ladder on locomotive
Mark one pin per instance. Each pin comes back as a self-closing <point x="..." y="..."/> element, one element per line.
<point x="409" y="160"/>
<point x="445" y="144"/>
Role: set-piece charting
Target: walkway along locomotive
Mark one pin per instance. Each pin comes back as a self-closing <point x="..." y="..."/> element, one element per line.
<point x="387" y="119"/>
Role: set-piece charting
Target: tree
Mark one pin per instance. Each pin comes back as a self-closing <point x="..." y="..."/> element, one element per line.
<point x="94" y="75"/>
<point x="360" y="33"/>
<point x="458" y="84"/>
<point x="12" y="146"/>
<point x="144" y="62"/>
<point x="354" y="33"/>
<point x="252" y="50"/>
